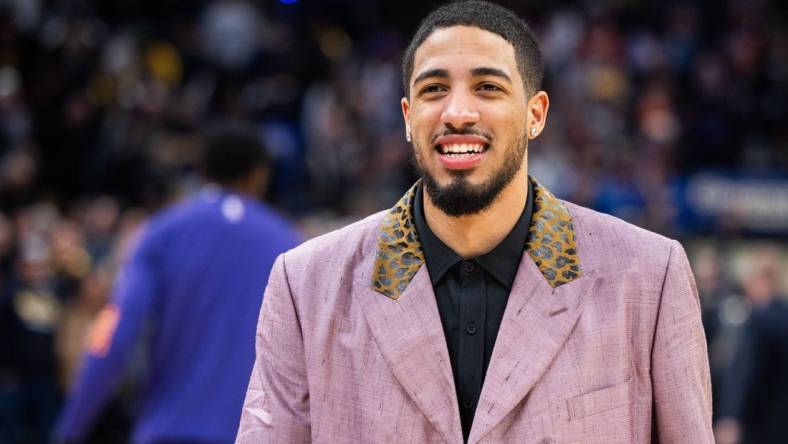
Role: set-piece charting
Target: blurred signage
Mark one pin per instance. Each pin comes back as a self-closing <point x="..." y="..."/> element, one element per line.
<point x="734" y="203"/>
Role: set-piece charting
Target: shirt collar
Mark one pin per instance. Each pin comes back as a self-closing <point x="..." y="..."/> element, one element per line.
<point x="504" y="260"/>
<point x="550" y="244"/>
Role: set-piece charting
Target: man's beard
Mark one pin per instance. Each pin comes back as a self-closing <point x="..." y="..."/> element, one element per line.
<point x="460" y="197"/>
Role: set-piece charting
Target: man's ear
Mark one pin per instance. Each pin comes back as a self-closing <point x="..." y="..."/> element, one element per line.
<point x="406" y="117"/>
<point x="538" y="105"/>
<point x="405" y="110"/>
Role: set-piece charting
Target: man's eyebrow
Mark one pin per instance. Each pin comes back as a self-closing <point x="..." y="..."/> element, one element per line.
<point x="487" y="71"/>
<point x="437" y="72"/>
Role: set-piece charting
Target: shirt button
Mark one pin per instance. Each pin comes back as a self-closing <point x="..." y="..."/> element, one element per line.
<point x="467" y="403"/>
<point x="469" y="266"/>
<point x="470" y="328"/>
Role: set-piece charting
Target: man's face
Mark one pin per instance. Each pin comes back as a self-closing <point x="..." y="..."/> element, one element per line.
<point x="467" y="117"/>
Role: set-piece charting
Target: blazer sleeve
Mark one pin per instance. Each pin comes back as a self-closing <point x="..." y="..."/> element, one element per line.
<point x="679" y="360"/>
<point x="276" y="408"/>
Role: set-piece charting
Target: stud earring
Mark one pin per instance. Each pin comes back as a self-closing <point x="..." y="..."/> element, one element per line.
<point x="533" y="132"/>
<point x="407" y="135"/>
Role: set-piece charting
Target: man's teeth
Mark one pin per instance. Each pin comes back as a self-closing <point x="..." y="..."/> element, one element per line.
<point x="463" y="148"/>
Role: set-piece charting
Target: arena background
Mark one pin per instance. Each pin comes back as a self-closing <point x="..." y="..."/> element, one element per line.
<point x="670" y="114"/>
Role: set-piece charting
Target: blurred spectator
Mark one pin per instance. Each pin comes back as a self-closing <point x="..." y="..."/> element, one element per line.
<point x="30" y="308"/>
<point x="196" y="277"/>
<point x="231" y="29"/>
<point x="723" y="312"/>
<point x="18" y="170"/>
<point x="76" y="321"/>
<point x="754" y="405"/>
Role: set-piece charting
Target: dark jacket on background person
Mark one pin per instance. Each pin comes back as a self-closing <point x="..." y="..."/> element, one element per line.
<point x="756" y="391"/>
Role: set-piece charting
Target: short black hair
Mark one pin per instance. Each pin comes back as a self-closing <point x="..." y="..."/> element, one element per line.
<point x="231" y="151"/>
<point x="489" y="17"/>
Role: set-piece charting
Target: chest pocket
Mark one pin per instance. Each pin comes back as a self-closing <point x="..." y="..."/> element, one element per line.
<point x="598" y="401"/>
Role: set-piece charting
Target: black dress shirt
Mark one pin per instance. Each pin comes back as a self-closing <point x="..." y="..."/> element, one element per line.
<point x="471" y="296"/>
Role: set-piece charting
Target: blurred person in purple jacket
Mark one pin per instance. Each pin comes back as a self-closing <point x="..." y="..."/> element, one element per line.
<point x="193" y="284"/>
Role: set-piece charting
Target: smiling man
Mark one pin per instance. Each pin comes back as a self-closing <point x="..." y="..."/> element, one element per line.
<point x="480" y="308"/>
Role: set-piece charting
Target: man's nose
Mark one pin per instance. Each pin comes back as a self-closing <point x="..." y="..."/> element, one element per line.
<point x="460" y="111"/>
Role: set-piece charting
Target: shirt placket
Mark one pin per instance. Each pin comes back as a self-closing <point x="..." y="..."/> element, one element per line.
<point x="473" y="310"/>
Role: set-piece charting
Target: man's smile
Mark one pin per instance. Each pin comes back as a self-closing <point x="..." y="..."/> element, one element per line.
<point x="461" y="151"/>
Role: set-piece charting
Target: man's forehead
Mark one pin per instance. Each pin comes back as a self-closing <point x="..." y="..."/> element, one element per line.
<point x="464" y="44"/>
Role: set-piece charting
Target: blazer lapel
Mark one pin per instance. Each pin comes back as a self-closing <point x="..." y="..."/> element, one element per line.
<point x="409" y="334"/>
<point x="402" y="313"/>
<point x="537" y="321"/>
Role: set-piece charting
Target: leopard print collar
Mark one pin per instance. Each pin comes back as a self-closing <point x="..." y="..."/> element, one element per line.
<point x="551" y="243"/>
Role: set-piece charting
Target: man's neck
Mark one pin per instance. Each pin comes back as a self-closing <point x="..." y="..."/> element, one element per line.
<point x="477" y="234"/>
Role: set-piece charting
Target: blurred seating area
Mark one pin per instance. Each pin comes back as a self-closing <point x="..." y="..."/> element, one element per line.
<point x="671" y="115"/>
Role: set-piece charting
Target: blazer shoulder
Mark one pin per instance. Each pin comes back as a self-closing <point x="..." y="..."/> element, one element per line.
<point x="353" y="241"/>
<point x="605" y="242"/>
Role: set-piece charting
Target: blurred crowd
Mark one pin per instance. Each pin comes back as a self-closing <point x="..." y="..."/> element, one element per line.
<point x="56" y="271"/>
<point x="102" y="104"/>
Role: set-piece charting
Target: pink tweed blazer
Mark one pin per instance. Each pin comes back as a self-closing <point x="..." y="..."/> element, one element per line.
<point x="601" y="341"/>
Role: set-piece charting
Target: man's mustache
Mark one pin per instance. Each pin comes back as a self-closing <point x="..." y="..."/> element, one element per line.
<point x="469" y="131"/>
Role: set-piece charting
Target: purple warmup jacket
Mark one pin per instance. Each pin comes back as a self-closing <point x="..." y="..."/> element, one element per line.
<point x="196" y="277"/>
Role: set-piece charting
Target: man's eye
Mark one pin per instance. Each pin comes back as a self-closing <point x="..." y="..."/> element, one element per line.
<point x="429" y="89"/>
<point x="489" y="87"/>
